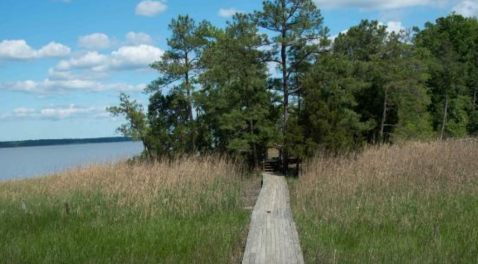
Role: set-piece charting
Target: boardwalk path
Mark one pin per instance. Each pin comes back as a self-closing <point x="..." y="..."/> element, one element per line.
<point x="273" y="236"/>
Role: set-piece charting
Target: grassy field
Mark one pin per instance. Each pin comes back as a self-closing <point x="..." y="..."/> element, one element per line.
<point x="189" y="211"/>
<point x="416" y="203"/>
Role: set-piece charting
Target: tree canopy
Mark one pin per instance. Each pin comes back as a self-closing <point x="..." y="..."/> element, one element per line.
<point x="274" y="77"/>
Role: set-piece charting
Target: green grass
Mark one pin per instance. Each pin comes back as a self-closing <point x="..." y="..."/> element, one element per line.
<point x="416" y="230"/>
<point x="105" y="227"/>
<point x="383" y="208"/>
<point x="47" y="235"/>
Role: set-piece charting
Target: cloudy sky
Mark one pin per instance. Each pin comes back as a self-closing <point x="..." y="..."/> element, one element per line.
<point x="63" y="61"/>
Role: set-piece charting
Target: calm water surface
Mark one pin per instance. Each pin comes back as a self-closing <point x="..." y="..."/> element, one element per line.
<point x="18" y="163"/>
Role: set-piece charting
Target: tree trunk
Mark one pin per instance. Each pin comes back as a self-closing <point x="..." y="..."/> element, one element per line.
<point x="148" y="150"/>
<point x="384" y="117"/>
<point x="299" y="104"/>
<point x="142" y="137"/>
<point x="285" y="87"/>
<point x="475" y="94"/>
<point x="445" y="114"/>
<point x="254" y="147"/>
<point x="190" y="104"/>
<point x="191" y="122"/>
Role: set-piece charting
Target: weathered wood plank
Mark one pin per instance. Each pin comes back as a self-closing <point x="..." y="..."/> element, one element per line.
<point x="273" y="236"/>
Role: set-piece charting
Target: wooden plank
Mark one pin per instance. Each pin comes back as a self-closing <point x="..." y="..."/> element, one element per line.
<point x="273" y="236"/>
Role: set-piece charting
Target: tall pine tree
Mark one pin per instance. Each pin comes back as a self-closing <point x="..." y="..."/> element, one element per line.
<point x="180" y="65"/>
<point x="297" y="28"/>
<point x="450" y="41"/>
<point x="235" y="83"/>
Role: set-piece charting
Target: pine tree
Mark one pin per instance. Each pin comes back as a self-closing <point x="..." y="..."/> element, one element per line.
<point x="179" y="66"/>
<point x="137" y="124"/>
<point x="450" y="41"/>
<point x="402" y="78"/>
<point x="236" y="95"/>
<point x="362" y="45"/>
<point x="168" y="117"/>
<point x="472" y="83"/>
<point x="394" y="95"/>
<point x="298" y="31"/>
<point x="329" y="120"/>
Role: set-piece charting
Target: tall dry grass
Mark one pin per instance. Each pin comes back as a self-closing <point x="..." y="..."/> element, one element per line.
<point x="183" y="186"/>
<point x="425" y="168"/>
<point x="380" y="204"/>
<point x="186" y="211"/>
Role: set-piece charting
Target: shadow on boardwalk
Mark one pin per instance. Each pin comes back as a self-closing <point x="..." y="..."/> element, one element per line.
<point x="273" y="235"/>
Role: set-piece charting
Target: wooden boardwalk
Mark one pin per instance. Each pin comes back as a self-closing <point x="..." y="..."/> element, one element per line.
<point x="272" y="235"/>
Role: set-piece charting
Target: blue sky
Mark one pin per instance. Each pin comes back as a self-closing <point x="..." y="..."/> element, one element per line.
<point x="62" y="62"/>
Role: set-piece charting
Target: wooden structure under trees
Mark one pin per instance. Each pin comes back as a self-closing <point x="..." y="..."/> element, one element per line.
<point x="273" y="159"/>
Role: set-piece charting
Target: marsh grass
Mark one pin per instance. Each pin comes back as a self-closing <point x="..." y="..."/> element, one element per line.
<point x="186" y="211"/>
<point x="411" y="203"/>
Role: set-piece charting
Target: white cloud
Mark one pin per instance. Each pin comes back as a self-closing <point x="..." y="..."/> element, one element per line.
<point x="20" y="50"/>
<point x="100" y="41"/>
<point x="125" y="58"/>
<point x="59" y="75"/>
<point x="49" y="86"/>
<point x="72" y="111"/>
<point x="227" y="12"/>
<point x="57" y="112"/>
<point x="150" y="8"/>
<point x="394" y="26"/>
<point x="96" y="41"/>
<point x="467" y="8"/>
<point x="332" y="38"/>
<point x="16" y="49"/>
<point x="54" y="74"/>
<point x="86" y="60"/>
<point x="138" y="38"/>
<point x="53" y="50"/>
<point x="134" y="57"/>
<point x="378" y="4"/>
<point x="23" y="111"/>
<point x="272" y="69"/>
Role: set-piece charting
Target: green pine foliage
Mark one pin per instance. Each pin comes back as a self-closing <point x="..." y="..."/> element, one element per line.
<point x="452" y="41"/>
<point x="235" y="94"/>
<point x="216" y="91"/>
<point x="330" y="122"/>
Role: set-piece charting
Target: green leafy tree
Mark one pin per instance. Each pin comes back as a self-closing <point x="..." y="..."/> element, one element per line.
<point x="362" y="42"/>
<point x="298" y="31"/>
<point x="472" y="83"/>
<point x="394" y="94"/>
<point x="402" y="76"/>
<point x="329" y="120"/>
<point x="362" y="45"/>
<point x="180" y="65"/>
<point x="447" y="84"/>
<point x="168" y="117"/>
<point x="214" y="93"/>
<point x="137" y="122"/>
<point x="235" y="97"/>
<point x="450" y="40"/>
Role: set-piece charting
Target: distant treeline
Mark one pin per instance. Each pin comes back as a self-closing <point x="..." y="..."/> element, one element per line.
<point x="52" y="142"/>
<point x="368" y="85"/>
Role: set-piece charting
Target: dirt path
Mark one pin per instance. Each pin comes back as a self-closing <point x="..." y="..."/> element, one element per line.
<point x="273" y="236"/>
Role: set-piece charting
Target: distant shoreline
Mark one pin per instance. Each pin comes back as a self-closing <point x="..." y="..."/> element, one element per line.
<point x="58" y="142"/>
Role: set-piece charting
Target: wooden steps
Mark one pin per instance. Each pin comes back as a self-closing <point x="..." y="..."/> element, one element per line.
<point x="271" y="166"/>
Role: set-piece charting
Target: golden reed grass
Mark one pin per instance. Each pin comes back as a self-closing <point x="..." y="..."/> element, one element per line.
<point x="183" y="186"/>
<point x="387" y="173"/>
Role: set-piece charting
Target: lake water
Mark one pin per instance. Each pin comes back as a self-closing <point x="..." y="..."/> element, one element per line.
<point x="27" y="162"/>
